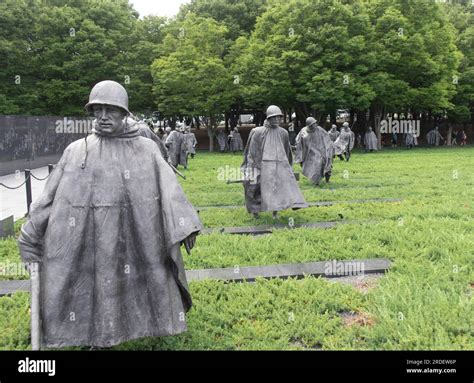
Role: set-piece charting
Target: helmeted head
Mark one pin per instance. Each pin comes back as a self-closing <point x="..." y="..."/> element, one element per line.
<point x="345" y="125"/>
<point x="108" y="102"/>
<point x="311" y="123"/>
<point x="108" y="93"/>
<point x="274" y="115"/>
<point x="333" y="126"/>
<point x="370" y="128"/>
<point x="167" y="129"/>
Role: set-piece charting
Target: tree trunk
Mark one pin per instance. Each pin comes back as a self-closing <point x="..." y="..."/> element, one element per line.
<point x="210" y="133"/>
<point x="301" y="110"/>
<point x="450" y="134"/>
<point x="173" y="123"/>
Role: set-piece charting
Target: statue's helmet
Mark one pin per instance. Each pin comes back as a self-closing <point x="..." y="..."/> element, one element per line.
<point x="334" y="126"/>
<point x="310" y="121"/>
<point x="108" y="93"/>
<point x="168" y="129"/>
<point x="273" y="110"/>
<point x="345" y="124"/>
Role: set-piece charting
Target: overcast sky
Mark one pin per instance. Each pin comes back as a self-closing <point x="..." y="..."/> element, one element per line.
<point x="158" y="7"/>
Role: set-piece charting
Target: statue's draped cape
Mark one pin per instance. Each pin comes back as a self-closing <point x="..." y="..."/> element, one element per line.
<point x="107" y="231"/>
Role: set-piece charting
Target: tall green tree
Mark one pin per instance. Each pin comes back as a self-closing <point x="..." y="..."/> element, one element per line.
<point x="190" y="77"/>
<point x="417" y="58"/>
<point x="462" y="18"/>
<point x="239" y="16"/>
<point x="313" y="57"/>
<point x="53" y="52"/>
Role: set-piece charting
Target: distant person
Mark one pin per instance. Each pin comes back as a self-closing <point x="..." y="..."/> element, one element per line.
<point x="394" y="140"/>
<point x="454" y="137"/>
<point x="463" y="138"/>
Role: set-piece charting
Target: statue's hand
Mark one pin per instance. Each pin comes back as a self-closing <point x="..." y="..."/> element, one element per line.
<point x="189" y="242"/>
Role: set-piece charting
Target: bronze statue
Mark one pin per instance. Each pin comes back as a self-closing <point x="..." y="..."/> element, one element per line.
<point x="107" y="232"/>
<point x="269" y="181"/>
<point x="314" y="151"/>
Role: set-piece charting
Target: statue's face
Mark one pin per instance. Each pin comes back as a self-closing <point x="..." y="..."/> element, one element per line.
<point x="312" y="126"/>
<point x="109" y="118"/>
<point x="275" y="121"/>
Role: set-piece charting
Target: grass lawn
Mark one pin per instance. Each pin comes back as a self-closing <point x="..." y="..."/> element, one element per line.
<point x="423" y="303"/>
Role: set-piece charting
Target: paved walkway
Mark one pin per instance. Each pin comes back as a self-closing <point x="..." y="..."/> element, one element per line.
<point x="13" y="202"/>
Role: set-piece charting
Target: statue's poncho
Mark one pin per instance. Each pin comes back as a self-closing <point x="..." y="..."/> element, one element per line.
<point x="411" y="139"/>
<point x="108" y="236"/>
<point x="345" y="142"/>
<point x="190" y="142"/>
<point x="222" y="141"/>
<point x="333" y="134"/>
<point x="236" y="143"/>
<point x="433" y="137"/>
<point x="270" y="182"/>
<point x="315" y="151"/>
<point x="176" y="148"/>
<point x="145" y="131"/>
<point x="370" y="140"/>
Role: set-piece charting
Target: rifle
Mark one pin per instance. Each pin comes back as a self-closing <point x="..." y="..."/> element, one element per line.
<point x="177" y="171"/>
<point x="35" y="306"/>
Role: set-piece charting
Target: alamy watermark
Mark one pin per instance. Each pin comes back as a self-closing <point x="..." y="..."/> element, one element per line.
<point x="400" y="126"/>
<point x="13" y="269"/>
<point x="232" y="174"/>
<point x="344" y="268"/>
<point x="73" y="126"/>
